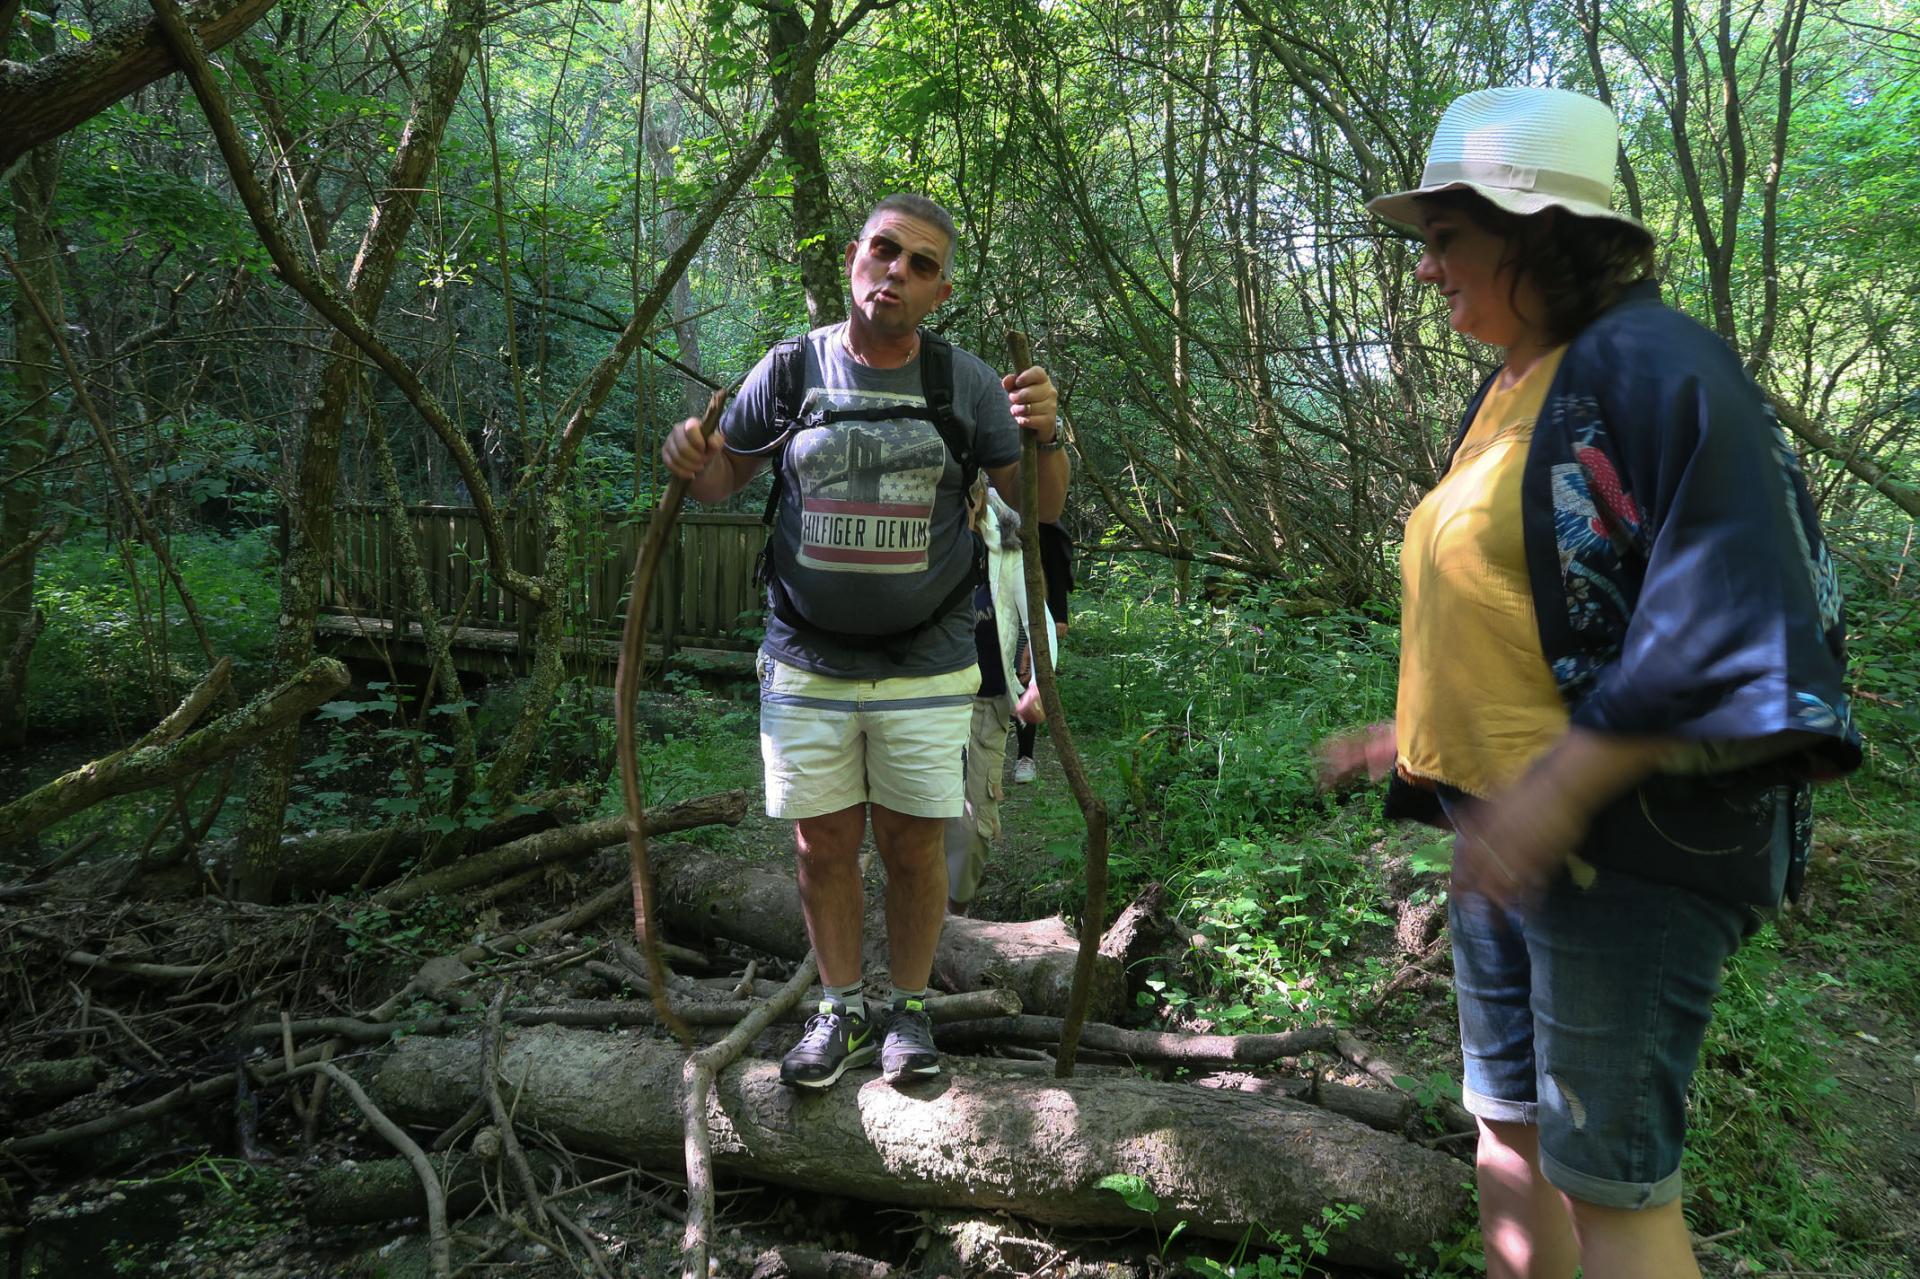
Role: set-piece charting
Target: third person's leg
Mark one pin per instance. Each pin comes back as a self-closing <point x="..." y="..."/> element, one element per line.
<point x="970" y="839"/>
<point x="1024" y="769"/>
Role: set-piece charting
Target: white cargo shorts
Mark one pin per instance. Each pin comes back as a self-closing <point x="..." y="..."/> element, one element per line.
<point x="828" y="743"/>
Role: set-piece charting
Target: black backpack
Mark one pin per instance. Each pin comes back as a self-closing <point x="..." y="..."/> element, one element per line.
<point x="789" y="377"/>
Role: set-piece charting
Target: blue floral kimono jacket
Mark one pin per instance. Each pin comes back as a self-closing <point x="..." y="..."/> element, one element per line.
<point x="1682" y="589"/>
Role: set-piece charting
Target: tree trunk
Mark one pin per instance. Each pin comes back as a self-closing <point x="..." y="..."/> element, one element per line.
<point x="37" y="253"/>
<point x="815" y="244"/>
<point x="311" y="543"/>
<point x="759" y="905"/>
<point x="43" y="99"/>
<point x="1222" y="1163"/>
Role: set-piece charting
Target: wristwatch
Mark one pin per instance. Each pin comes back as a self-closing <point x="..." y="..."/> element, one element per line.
<point x="1053" y="445"/>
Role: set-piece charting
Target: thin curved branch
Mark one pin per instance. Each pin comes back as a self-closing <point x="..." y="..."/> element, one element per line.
<point x="1040" y="646"/>
<point x="626" y="687"/>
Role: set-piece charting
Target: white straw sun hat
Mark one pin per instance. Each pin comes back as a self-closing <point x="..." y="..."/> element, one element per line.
<point x="1524" y="150"/>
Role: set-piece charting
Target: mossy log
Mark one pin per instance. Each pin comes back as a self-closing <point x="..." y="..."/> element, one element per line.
<point x="359" y="1193"/>
<point x="143" y="766"/>
<point x="723" y="808"/>
<point x="326" y="861"/>
<point x="1222" y="1163"/>
<point x="29" y="1087"/>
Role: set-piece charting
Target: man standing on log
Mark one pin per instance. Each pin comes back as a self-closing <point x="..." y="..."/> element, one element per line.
<point x="876" y="429"/>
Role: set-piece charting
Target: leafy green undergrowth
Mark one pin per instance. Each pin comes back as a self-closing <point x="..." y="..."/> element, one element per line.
<point x="119" y="649"/>
<point x="1758" y="1110"/>
<point x="695" y="742"/>
<point x="225" y="1207"/>
<point x="1199" y="725"/>
<point x="1775" y="1149"/>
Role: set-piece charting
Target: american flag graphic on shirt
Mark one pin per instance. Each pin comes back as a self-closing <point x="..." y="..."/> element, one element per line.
<point x="867" y="489"/>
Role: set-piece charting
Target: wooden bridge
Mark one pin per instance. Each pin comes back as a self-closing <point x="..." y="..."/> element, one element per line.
<point x="704" y="616"/>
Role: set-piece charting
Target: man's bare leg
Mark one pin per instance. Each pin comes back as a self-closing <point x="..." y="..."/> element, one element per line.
<point x="913" y="850"/>
<point x="832" y="898"/>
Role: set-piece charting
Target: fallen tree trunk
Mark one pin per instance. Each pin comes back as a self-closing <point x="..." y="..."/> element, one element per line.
<point x="334" y="860"/>
<point x="1035" y="958"/>
<point x="1384" y="1109"/>
<point x="759" y="905"/>
<point x="724" y="808"/>
<point x="1219" y="1162"/>
<point x="1210" y="1051"/>
<point x="1207" y="1051"/>
<point x="942" y="1009"/>
<point x="147" y="765"/>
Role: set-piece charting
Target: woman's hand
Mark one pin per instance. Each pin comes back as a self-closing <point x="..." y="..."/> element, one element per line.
<point x="1344" y="756"/>
<point x="1509" y="847"/>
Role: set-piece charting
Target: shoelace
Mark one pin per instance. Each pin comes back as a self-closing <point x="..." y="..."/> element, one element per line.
<point x="913" y="1024"/>
<point x="819" y="1030"/>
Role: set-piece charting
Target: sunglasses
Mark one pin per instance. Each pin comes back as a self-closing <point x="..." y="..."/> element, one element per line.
<point x="925" y="266"/>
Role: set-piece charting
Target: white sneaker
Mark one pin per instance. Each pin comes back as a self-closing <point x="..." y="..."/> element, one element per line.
<point x="1024" y="770"/>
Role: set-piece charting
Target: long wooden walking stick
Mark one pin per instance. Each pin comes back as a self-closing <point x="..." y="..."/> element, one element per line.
<point x="626" y="688"/>
<point x="1040" y="647"/>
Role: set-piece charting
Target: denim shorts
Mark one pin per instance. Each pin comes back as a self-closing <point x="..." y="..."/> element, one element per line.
<point x="1583" y="1013"/>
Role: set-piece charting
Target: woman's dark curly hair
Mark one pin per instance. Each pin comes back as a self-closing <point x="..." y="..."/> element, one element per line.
<point x="1581" y="266"/>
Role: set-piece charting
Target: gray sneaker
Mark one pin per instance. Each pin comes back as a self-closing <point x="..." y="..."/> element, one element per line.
<point x="834" y="1042"/>
<point x="907" y="1050"/>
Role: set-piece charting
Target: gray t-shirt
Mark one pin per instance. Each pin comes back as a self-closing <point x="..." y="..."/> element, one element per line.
<point x="870" y="536"/>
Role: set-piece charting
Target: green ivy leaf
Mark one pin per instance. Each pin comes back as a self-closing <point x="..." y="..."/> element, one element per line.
<point x="1132" y="1188"/>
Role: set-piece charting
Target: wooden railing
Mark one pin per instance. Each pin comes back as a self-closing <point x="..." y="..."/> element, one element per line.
<point x="703" y="599"/>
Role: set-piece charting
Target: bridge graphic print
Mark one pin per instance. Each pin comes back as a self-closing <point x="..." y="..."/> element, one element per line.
<point x="866" y="495"/>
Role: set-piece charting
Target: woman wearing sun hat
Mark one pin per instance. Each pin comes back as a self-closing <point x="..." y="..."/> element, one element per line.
<point x="1622" y="664"/>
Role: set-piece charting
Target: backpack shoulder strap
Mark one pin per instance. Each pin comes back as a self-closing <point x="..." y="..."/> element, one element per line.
<point x="936" y="386"/>
<point x="789" y="378"/>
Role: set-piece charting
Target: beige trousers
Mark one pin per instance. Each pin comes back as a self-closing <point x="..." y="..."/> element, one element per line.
<point x="972" y="836"/>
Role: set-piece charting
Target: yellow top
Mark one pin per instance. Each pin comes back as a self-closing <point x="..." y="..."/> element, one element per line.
<point x="1477" y="701"/>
